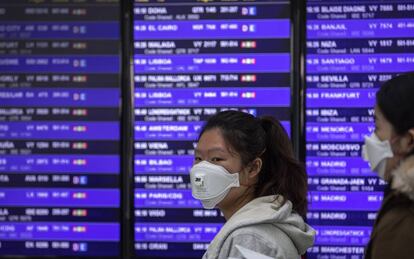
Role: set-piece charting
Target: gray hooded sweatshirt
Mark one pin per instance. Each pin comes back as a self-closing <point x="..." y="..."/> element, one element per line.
<point x="265" y="226"/>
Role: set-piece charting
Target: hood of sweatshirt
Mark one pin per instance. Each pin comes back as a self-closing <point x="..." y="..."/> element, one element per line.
<point x="267" y="210"/>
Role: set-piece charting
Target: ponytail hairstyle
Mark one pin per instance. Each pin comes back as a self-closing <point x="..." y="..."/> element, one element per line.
<point x="264" y="138"/>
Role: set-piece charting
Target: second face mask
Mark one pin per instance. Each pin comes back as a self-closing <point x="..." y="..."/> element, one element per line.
<point x="375" y="152"/>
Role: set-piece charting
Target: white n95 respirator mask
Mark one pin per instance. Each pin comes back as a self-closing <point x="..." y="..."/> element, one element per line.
<point x="376" y="152"/>
<point x="210" y="183"/>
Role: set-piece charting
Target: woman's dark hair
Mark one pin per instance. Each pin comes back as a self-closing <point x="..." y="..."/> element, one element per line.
<point x="395" y="99"/>
<point x="266" y="138"/>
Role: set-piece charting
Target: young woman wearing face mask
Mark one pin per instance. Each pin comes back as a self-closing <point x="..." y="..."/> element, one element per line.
<point x="245" y="166"/>
<point x="390" y="152"/>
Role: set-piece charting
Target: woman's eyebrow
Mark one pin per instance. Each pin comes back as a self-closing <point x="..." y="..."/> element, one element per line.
<point x="214" y="149"/>
<point x="217" y="149"/>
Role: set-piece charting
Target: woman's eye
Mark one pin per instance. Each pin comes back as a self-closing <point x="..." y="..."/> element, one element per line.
<point x="216" y="159"/>
<point x="197" y="159"/>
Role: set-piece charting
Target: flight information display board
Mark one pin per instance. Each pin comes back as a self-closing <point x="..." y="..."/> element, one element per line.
<point x="59" y="128"/>
<point x="192" y="60"/>
<point x="352" y="47"/>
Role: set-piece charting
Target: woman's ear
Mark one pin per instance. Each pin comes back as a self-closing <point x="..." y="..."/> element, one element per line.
<point x="255" y="168"/>
<point x="406" y="144"/>
<point x="250" y="172"/>
<point x="410" y="140"/>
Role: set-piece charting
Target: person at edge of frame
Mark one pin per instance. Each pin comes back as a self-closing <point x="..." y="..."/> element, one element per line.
<point x="390" y="153"/>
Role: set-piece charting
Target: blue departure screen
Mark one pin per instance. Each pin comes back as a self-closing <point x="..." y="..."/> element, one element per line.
<point x="352" y="48"/>
<point x="59" y="128"/>
<point x="192" y="60"/>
